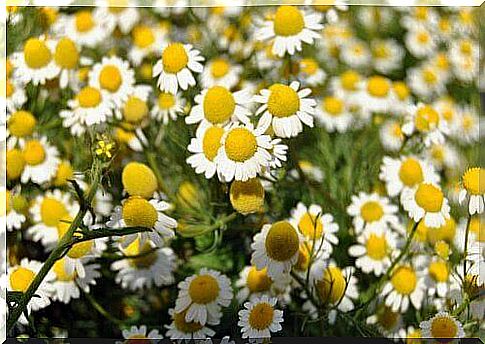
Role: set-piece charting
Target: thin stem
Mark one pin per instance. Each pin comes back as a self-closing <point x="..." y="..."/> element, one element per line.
<point x="465" y="249"/>
<point x="101" y="310"/>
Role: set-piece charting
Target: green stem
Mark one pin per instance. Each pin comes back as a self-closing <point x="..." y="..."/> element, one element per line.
<point x="152" y="162"/>
<point x="465" y="249"/>
<point x="101" y="310"/>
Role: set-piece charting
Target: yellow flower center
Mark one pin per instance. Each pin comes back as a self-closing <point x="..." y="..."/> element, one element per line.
<point x="61" y="273"/>
<point x="258" y="280"/>
<point x="474" y="181"/>
<point x="145" y="258"/>
<point x="240" y="145"/>
<point x="34" y="153"/>
<point x="146" y="71"/>
<point x="310" y="227"/>
<point x="139" y="180"/>
<point x="438" y="153"/>
<point x="378" y="86"/>
<point x="9" y="89"/>
<point x="247" y="197"/>
<point x="423" y="37"/>
<point x="288" y="21"/>
<point x="21" y="123"/>
<point x="63" y="225"/>
<point x="8" y="68"/>
<point x="309" y="66"/>
<point x="349" y="80"/>
<point x="212" y="142"/>
<point x="36" y="53"/>
<point x="283" y="101"/>
<point x="204" y="289"/>
<point x="184" y="326"/>
<point x="282" y="241"/>
<point x="15" y="163"/>
<point x="421" y="13"/>
<point x="261" y="316"/>
<point x="304" y="252"/>
<point x="333" y="106"/>
<point x="219" y="68"/>
<point x="333" y="285"/>
<point x="63" y="174"/>
<point x="477" y="226"/>
<point x="438" y="270"/>
<point x="445" y="232"/>
<point x="21" y="279"/>
<point x="401" y="90"/>
<point x="110" y="78"/>
<point x="174" y="58"/>
<point x="443" y="327"/>
<point x="371" y="211"/>
<point x="66" y="54"/>
<point x="380" y="51"/>
<point x="404" y="280"/>
<point x="429" y="197"/>
<point x="52" y="211"/>
<point x="442" y="62"/>
<point x="166" y="101"/>
<point x="466" y="47"/>
<point x="396" y="131"/>
<point x="89" y="97"/>
<point x="84" y="21"/>
<point x="143" y="36"/>
<point x="468" y="122"/>
<point x="135" y="110"/>
<point x="442" y="249"/>
<point x="81" y="249"/>
<point x="219" y="105"/>
<point x="6" y="197"/>
<point x="376" y="247"/>
<point x="426" y="119"/>
<point x="430" y="76"/>
<point x="138" y="212"/>
<point x="410" y="172"/>
<point x="414" y="337"/>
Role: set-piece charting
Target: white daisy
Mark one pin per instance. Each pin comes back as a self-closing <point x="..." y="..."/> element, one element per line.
<point x="438" y="276"/>
<point x="15" y="96"/>
<point x="285" y="109"/>
<point x="139" y="334"/>
<point x="183" y="329"/>
<point x="15" y="207"/>
<point x="86" y="28"/>
<point x="220" y="72"/>
<point x="134" y="109"/>
<point x="334" y="113"/>
<point x="66" y="58"/>
<point x="41" y="160"/>
<point x="260" y="318"/>
<point x="124" y="17"/>
<point x="202" y="295"/>
<point x="372" y="211"/>
<point x="253" y="283"/>
<point x="391" y="135"/>
<point x="147" y="41"/>
<point x="444" y="156"/>
<point x="420" y="42"/>
<point x="387" y="55"/>
<point x="167" y="107"/>
<point x="467" y="128"/>
<point x="356" y="54"/>
<point x="442" y="325"/>
<point x="474" y="186"/>
<point x="311" y="72"/>
<point x="377" y="95"/>
<point x="175" y="67"/>
<point x="289" y="28"/>
<point x="426" y="80"/>
<point x="405" y="285"/>
<point x="425" y="120"/>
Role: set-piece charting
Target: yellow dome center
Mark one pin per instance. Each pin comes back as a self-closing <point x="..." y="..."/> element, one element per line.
<point x="212" y="142"/>
<point x="309" y="66"/>
<point x="442" y="249"/>
<point x="240" y="145"/>
<point x="283" y="101"/>
<point x="410" y="172"/>
<point x="66" y="54"/>
<point x="166" y="101"/>
<point x="474" y="181"/>
<point x="138" y="212"/>
<point x="81" y="249"/>
<point x="21" y="123"/>
<point x="371" y="211"/>
<point x="52" y="211"/>
<point x="247" y="197"/>
<point x="258" y="281"/>
<point x="9" y="88"/>
<point x="426" y="118"/>
<point x="89" y="97"/>
<point x="378" y="86"/>
<point x="63" y="225"/>
<point x="401" y="90"/>
<point x="135" y="110"/>
<point x="219" y="68"/>
<point x="443" y="327"/>
<point x="110" y="78"/>
<point x="261" y="316"/>
<point x="63" y="174"/>
<point x="204" y="289"/>
<point x="429" y="197"/>
<point x="381" y="51"/>
<point x="282" y="241"/>
<point x="143" y="36"/>
<point x="61" y="273"/>
<point x="439" y="271"/>
<point x="445" y="232"/>
<point x="423" y="37"/>
<point x="15" y="163"/>
<point x="333" y="106"/>
<point x="349" y="80"/>
<point x="477" y="226"/>
<point x="404" y="280"/>
<point x="310" y="227"/>
<point x="36" y="53"/>
<point x="21" y="279"/>
<point x="84" y="21"/>
<point x="139" y="180"/>
<point x="288" y="21"/>
<point x="332" y="286"/>
<point x="174" y="58"/>
<point x="34" y="153"/>
<point x="144" y="260"/>
<point x="376" y="247"/>
<point x="184" y="326"/>
<point x="219" y="105"/>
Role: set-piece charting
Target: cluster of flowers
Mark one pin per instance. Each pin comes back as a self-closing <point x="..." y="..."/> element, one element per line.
<point x="252" y="80"/>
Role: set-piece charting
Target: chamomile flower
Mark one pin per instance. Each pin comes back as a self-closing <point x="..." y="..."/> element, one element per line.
<point x="391" y="135"/>
<point x="147" y="41"/>
<point x="247" y="197"/>
<point x="260" y="318"/>
<point x="15" y="96"/>
<point x="442" y="325"/>
<point x="243" y="153"/>
<point x="220" y="72"/>
<point x="253" y="283"/>
<point x="66" y="58"/>
<point x="90" y="107"/>
<point x="276" y="248"/>
<point x="426" y="201"/>
<point x="85" y="28"/>
<point x="334" y="113"/>
<point x="202" y="295"/>
<point x="406" y="285"/>
<point x="425" y="120"/>
<point x="21" y="276"/>
<point x="401" y="98"/>
<point x="180" y="328"/>
<point x="356" y="54"/>
<point x="134" y="109"/>
<point x="20" y="125"/>
<point x="373" y="250"/>
<point x="41" y="160"/>
<point x="474" y="185"/>
<point x="347" y="84"/>
<point x="311" y="72"/>
<point x="438" y="276"/>
<point x="15" y="207"/>
<point x="150" y="266"/>
<point x="420" y="42"/>
<point x="406" y="173"/>
<point x="372" y="211"/>
<point x="167" y="107"/>
<point x="467" y="129"/>
<point x="387" y="55"/>
<point x="426" y="81"/>
<point x="139" y="334"/>
<point x="36" y="62"/>
<point x="420" y="16"/>
<point x="289" y="28"/>
<point x="285" y="108"/>
<point x="114" y="76"/>
<point x="175" y="67"/>
<point x="124" y="17"/>
<point x="139" y="212"/>
<point x="387" y="321"/>
<point x="443" y="156"/>
<point x="218" y="105"/>
<point x="378" y="96"/>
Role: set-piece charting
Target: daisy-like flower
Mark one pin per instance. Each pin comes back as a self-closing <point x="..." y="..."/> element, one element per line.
<point x="220" y="72"/>
<point x="442" y="325"/>
<point x="347" y="84"/>
<point x="253" y="283"/>
<point x="444" y="156"/>
<point x="425" y="120"/>
<point x="289" y="28"/>
<point x="420" y="42"/>
<point x="86" y="28"/>
<point x="167" y="107"/>
<point x="378" y="96"/>
<point x="405" y="285"/>
<point x="406" y="173"/>
<point x="202" y="295"/>
<point x="426" y="201"/>
<point x="438" y="276"/>
<point x="139" y="212"/>
<point x="276" y="248"/>
<point x="147" y="41"/>
<point x="388" y="322"/>
<point x="41" y="160"/>
<point x="335" y="114"/>
<point x="175" y="67"/>
<point x="314" y="225"/>
<point x="180" y="328"/>
<point x="285" y="109"/>
<point x="467" y="128"/>
<point x="356" y="54"/>
<point x="90" y="107"/>
<point x="134" y="109"/>
<point x="66" y="58"/>
<point x="15" y="208"/>
<point x="373" y="250"/>
<point x="19" y="279"/>
<point x="140" y="335"/>
<point x="15" y="96"/>
<point x="311" y="72"/>
<point x="474" y="186"/>
<point x="36" y="62"/>
<point x="426" y="81"/>
<point x="114" y="76"/>
<point x="20" y="126"/>
<point x="243" y="153"/>
<point x="149" y="267"/>
<point x="247" y="197"/>
<point x="372" y="211"/>
<point x="260" y="318"/>
<point x="391" y="135"/>
<point x="402" y="100"/>
<point x="387" y="55"/>
<point x="124" y="17"/>
<point x="217" y="105"/>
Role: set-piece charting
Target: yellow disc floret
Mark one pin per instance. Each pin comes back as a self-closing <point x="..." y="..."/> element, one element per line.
<point x="240" y="145"/>
<point x="283" y="101"/>
<point x="429" y="197"/>
<point x="89" y="97"/>
<point x="258" y="281"/>
<point x="332" y="286"/>
<point x="219" y="67"/>
<point x="404" y="280"/>
<point x="135" y="110"/>
<point x="110" y="78"/>
<point x="439" y="271"/>
<point x="21" y="123"/>
<point x="143" y="36"/>
<point x="349" y="80"/>
<point x="144" y="255"/>
<point x="426" y="119"/>
<point x="212" y="142"/>
<point x="63" y="174"/>
<point x="443" y="327"/>
<point x="333" y="106"/>
<point x="138" y="212"/>
<point x="410" y="172"/>
<point x="474" y="180"/>
<point x="36" y="53"/>
<point x="282" y="241"/>
<point x="21" y="278"/>
<point x="84" y="21"/>
<point x="166" y="101"/>
<point x="310" y="226"/>
<point x="139" y="180"/>
<point x="204" y="289"/>
<point x="34" y="153"/>
<point x="247" y="197"/>
<point x="15" y="163"/>
<point x="66" y="54"/>
<point x="183" y="326"/>
<point x="371" y="211"/>
<point x="219" y="105"/>
<point x="376" y="247"/>
<point x="288" y="21"/>
<point x="378" y="86"/>
<point x="59" y="269"/>
<point x="174" y="58"/>
<point x="261" y="316"/>
<point x="52" y="211"/>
